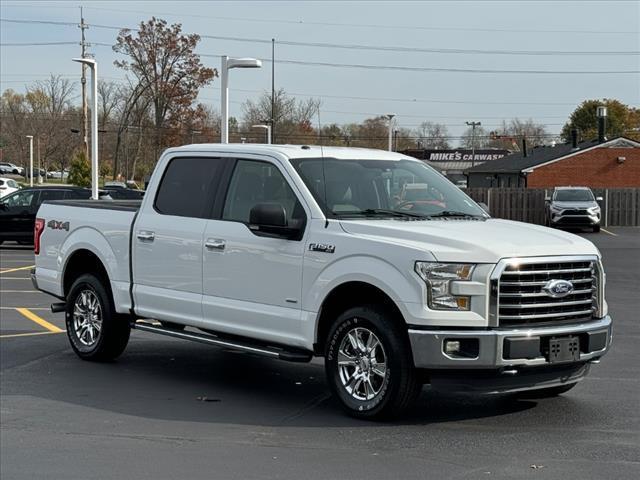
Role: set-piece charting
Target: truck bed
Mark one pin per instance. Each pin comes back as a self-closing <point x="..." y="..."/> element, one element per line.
<point x="121" y="205"/>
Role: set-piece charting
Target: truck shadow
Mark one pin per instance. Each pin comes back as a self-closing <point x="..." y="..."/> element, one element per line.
<point x="172" y="380"/>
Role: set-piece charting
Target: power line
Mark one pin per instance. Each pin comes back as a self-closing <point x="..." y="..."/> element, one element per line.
<point x="34" y="44"/>
<point x="304" y="23"/>
<point x="383" y="48"/>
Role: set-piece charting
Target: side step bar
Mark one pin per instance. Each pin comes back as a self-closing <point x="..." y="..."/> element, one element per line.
<point x="234" y="344"/>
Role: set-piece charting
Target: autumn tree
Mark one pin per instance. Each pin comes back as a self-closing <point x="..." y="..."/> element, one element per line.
<point x="432" y="135"/>
<point x="164" y="62"/>
<point x="622" y="120"/>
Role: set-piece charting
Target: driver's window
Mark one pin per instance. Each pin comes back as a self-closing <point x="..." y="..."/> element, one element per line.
<point x="20" y="199"/>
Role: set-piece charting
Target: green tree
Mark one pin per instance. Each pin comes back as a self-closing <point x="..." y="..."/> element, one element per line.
<point x="80" y="171"/>
<point x="622" y="120"/>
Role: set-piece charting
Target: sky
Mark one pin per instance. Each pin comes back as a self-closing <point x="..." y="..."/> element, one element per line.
<point x="573" y="31"/>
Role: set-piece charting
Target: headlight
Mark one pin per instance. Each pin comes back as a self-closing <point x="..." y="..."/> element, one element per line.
<point x="593" y="210"/>
<point x="438" y="277"/>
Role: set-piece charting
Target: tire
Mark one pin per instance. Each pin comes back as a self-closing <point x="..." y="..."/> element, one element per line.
<point x="596" y="228"/>
<point x="547" y="392"/>
<point x="375" y="392"/>
<point x="171" y="325"/>
<point x="104" y="335"/>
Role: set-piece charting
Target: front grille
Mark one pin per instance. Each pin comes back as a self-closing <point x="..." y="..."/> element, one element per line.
<point x="523" y="301"/>
<point x="575" y="212"/>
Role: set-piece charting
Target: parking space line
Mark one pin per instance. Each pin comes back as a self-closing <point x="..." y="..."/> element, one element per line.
<point x="30" y="334"/>
<point x="607" y="231"/>
<point x="40" y="321"/>
<point x="30" y="308"/>
<point x="16" y="269"/>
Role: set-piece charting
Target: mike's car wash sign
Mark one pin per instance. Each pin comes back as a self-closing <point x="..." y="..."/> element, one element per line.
<point x="463" y="155"/>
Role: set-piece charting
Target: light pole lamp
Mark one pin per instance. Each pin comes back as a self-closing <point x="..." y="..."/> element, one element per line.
<point x="267" y="127"/>
<point x="390" y="118"/>
<point x="227" y="64"/>
<point x="30" y="137"/>
<point x="94" y="123"/>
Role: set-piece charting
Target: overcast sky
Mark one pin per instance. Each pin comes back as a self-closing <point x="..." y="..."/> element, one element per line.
<point x="446" y="97"/>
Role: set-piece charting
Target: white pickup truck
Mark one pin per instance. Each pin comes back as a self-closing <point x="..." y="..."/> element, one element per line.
<point x="371" y="259"/>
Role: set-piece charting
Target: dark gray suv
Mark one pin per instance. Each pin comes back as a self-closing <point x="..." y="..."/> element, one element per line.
<point x="573" y="207"/>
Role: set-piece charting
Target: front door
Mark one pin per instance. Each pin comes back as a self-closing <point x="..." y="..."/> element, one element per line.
<point x="168" y="241"/>
<point x="252" y="283"/>
<point x="17" y="214"/>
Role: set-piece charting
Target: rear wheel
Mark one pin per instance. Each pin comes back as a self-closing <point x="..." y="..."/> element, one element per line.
<point x="96" y="332"/>
<point x="368" y="364"/>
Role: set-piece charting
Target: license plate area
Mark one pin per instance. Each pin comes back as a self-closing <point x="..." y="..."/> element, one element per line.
<point x="563" y="349"/>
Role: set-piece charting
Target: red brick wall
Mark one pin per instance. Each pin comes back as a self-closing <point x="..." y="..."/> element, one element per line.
<point x="597" y="168"/>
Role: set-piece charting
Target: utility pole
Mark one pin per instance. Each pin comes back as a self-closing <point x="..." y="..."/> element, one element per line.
<point x="473" y="126"/>
<point x="85" y="118"/>
<point x="273" y="90"/>
<point x="390" y="118"/>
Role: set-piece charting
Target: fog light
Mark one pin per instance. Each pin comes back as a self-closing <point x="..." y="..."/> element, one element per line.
<point x="452" y="347"/>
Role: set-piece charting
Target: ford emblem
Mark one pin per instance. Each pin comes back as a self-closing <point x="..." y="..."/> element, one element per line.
<point x="558" y="288"/>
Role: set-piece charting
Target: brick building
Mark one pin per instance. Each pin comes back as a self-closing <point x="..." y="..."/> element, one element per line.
<point x="611" y="164"/>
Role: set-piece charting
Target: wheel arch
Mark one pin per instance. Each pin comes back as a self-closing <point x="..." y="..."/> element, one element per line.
<point x="351" y="294"/>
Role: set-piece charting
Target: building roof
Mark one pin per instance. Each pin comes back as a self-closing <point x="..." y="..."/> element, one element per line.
<point x="536" y="157"/>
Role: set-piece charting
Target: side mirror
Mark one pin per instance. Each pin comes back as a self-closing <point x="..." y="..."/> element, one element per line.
<point x="599" y="199"/>
<point x="271" y="219"/>
<point x="484" y="206"/>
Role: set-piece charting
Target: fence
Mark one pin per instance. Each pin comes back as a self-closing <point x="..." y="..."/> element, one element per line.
<point x="620" y="206"/>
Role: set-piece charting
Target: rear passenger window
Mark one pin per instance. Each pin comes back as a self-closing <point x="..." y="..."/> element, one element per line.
<point x="188" y="187"/>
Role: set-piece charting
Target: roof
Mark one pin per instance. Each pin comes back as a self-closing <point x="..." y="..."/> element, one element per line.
<point x="293" y="151"/>
<point x="536" y="157"/>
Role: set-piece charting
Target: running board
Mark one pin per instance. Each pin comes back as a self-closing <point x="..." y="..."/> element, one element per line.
<point x="234" y="344"/>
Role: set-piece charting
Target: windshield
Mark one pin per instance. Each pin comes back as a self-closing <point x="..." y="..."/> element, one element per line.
<point x="574" y="195"/>
<point x="382" y="187"/>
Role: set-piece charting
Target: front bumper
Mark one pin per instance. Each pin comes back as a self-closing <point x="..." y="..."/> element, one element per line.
<point x="575" y="220"/>
<point x="505" y="348"/>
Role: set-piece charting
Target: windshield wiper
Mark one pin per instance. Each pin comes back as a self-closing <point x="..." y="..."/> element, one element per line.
<point x="381" y="212"/>
<point x="453" y="213"/>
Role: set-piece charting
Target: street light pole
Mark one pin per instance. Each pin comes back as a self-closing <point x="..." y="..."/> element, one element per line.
<point x="30" y="137"/>
<point x="473" y="126"/>
<point x="226" y="64"/>
<point x="390" y="117"/>
<point x="94" y="123"/>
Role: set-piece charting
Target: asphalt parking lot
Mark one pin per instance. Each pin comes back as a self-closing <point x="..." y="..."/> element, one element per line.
<point x="174" y="409"/>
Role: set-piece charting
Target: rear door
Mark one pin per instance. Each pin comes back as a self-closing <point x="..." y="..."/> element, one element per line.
<point x="168" y="241"/>
<point x="17" y="213"/>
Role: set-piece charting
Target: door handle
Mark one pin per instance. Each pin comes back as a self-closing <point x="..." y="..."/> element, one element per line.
<point x="146" y="236"/>
<point x="215" y="244"/>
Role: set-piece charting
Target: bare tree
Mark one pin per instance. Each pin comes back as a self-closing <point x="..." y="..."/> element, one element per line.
<point x="432" y="135"/>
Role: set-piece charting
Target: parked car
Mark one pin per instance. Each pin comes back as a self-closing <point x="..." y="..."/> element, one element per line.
<point x="11" y="169"/>
<point x="18" y="209"/>
<point x="573" y="207"/>
<point x="126" y="184"/>
<point x="7" y="186"/>
<point x="27" y="173"/>
<point x="119" y="193"/>
<point x="292" y="252"/>
<point x="58" y="174"/>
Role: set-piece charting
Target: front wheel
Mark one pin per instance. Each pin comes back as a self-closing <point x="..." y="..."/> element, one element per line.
<point x="596" y="228"/>
<point x="368" y="364"/>
<point x="96" y="332"/>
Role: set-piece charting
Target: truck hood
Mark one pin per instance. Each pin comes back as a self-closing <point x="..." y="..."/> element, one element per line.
<point x="481" y="241"/>
<point x="574" y="205"/>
